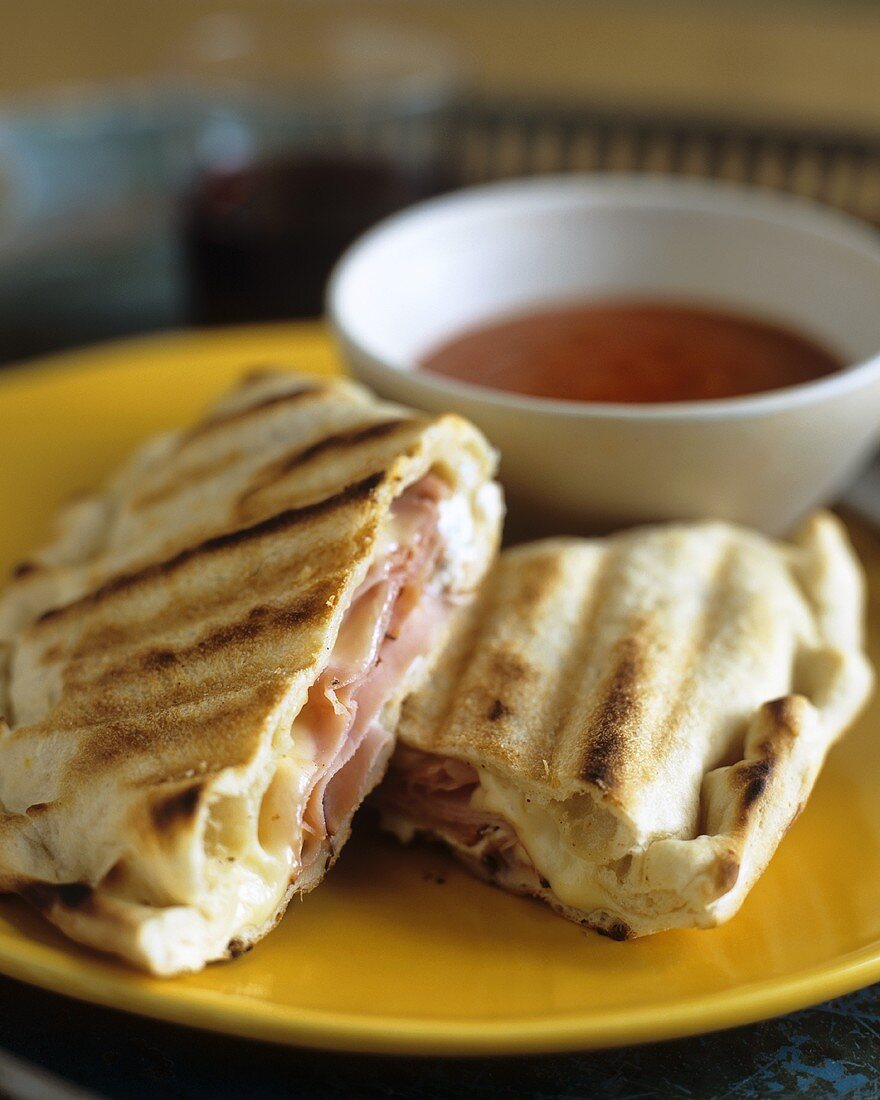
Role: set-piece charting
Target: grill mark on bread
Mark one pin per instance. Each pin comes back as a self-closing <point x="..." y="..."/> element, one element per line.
<point x="342" y="441"/>
<point x="326" y="561"/>
<point x="490" y="666"/>
<point x="569" y="678"/>
<point x="223" y="420"/>
<point x="783" y="713"/>
<point x="338" y="441"/>
<point x="621" y="721"/>
<point x="191" y="674"/>
<point x="624" y="739"/>
<point x="784" y="725"/>
<point x="754" y="777"/>
<point x="184" y="479"/>
<point x="466" y="698"/>
<point x="281" y="521"/>
<point x="212" y="728"/>
<point x="614" y="723"/>
<point x="694" y="650"/>
<point x="262" y="618"/>
<point x="538" y="581"/>
<point x="501" y="677"/>
<point x="258" y="623"/>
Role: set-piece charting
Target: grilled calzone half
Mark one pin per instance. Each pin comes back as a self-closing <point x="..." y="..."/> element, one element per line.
<point x="627" y="727"/>
<point x="203" y="672"/>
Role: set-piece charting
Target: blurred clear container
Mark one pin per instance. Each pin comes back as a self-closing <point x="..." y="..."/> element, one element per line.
<point x="87" y="241"/>
<point x="303" y="135"/>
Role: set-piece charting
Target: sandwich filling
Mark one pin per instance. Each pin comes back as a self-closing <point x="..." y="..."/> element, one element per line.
<point x="395" y="615"/>
<point x="491" y="825"/>
<point x="441" y="796"/>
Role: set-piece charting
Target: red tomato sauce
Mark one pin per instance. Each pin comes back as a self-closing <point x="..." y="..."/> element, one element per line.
<point x="632" y="352"/>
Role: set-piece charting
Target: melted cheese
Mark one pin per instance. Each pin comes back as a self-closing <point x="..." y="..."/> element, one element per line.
<point x="572" y="877"/>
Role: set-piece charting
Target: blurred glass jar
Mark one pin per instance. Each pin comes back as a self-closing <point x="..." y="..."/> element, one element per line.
<point x="304" y="133"/>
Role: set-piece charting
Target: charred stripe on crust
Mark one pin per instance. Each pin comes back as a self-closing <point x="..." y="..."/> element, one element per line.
<point x="282" y="521"/>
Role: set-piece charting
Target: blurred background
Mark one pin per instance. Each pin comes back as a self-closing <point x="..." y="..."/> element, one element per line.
<point x="185" y="162"/>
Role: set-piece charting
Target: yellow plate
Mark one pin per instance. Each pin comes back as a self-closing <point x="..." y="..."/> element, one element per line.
<point x="399" y="950"/>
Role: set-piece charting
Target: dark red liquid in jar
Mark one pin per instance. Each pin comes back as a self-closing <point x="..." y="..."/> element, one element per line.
<point x="633" y="352"/>
<point x="260" y="241"/>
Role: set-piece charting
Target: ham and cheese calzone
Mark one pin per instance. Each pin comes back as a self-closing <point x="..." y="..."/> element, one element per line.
<point x="202" y="674"/>
<point x="627" y="727"/>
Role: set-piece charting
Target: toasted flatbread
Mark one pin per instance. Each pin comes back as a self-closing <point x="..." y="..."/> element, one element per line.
<point x="627" y="727"/>
<point x="203" y="671"/>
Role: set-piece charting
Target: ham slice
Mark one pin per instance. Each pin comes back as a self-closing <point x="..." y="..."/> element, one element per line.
<point x="438" y="793"/>
<point x="391" y="623"/>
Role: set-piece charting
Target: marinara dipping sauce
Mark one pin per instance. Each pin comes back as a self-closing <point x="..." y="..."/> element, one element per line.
<point x="634" y="352"/>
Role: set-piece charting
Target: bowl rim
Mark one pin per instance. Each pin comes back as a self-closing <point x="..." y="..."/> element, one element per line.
<point x="718" y="197"/>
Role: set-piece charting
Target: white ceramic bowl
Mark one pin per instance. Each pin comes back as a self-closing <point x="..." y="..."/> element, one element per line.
<point x="426" y="274"/>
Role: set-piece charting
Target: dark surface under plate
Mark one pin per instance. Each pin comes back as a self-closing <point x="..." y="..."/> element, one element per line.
<point x="831" y="1050"/>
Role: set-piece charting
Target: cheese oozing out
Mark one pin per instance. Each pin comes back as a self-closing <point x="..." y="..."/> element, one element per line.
<point x="492" y="823"/>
